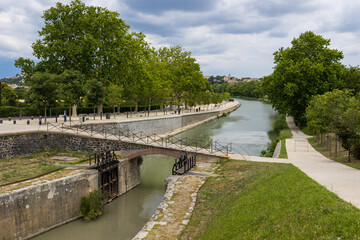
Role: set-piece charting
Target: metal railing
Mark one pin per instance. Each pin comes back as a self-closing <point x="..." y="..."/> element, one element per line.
<point x="186" y="144"/>
<point x="183" y="164"/>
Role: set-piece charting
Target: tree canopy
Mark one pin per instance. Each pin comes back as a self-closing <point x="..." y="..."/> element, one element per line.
<point x="307" y="68"/>
<point x="92" y="46"/>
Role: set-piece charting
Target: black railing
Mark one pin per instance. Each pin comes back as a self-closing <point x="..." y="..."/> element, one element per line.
<point x="185" y="144"/>
<point x="183" y="164"/>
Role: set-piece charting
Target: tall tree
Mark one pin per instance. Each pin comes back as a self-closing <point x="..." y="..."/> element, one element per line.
<point x="43" y="91"/>
<point x="307" y="68"/>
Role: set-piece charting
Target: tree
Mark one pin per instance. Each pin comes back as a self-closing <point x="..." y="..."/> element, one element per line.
<point x="87" y="39"/>
<point x="351" y="77"/>
<point x="43" y="91"/>
<point x="95" y="94"/>
<point x="8" y="95"/>
<point x="114" y="96"/>
<point x="72" y="88"/>
<point x="339" y="112"/>
<point x="307" y="68"/>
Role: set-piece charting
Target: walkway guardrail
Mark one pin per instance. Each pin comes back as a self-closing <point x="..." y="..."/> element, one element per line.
<point x="184" y="144"/>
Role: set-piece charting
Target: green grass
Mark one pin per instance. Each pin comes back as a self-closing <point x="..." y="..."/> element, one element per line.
<point x="269" y="201"/>
<point x="283" y="152"/>
<point x="19" y="168"/>
<point x="284" y="134"/>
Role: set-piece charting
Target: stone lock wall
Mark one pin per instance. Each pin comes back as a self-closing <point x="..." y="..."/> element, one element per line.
<point x="34" y="209"/>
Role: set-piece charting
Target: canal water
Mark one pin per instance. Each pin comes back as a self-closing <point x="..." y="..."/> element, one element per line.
<point x="247" y="128"/>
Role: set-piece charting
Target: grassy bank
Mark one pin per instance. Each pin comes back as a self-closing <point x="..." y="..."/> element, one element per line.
<point x="19" y="168"/>
<point x="269" y="201"/>
<point x="280" y="132"/>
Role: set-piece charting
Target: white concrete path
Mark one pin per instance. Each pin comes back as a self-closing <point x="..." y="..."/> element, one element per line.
<point x="336" y="177"/>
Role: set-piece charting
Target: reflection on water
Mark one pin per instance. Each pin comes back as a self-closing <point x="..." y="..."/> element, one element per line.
<point x="247" y="128"/>
<point x="126" y="215"/>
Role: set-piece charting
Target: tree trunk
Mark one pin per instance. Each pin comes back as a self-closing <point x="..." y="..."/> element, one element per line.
<point x="136" y="105"/>
<point x="100" y="108"/>
<point x="161" y="107"/>
<point x="74" y="111"/>
<point x="118" y="108"/>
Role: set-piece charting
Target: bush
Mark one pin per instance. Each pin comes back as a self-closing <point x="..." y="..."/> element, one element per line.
<point x="91" y="206"/>
<point x="8" y="111"/>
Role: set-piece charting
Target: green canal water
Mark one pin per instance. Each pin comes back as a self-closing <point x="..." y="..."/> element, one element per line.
<point x="247" y="128"/>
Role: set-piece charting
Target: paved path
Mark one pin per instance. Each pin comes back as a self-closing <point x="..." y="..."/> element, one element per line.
<point x="336" y="177"/>
<point x="340" y="179"/>
<point x="7" y="127"/>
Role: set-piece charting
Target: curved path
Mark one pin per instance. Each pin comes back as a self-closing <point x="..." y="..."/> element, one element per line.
<point x="340" y="179"/>
<point x="336" y="177"/>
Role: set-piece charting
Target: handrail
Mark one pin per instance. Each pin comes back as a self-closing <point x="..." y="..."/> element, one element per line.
<point x="192" y="144"/>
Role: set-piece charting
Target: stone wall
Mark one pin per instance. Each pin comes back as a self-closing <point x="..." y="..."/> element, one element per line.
<point x="28" y="143"/>
<point x="31" y="210"/>
<point x="35" y="209"/>
<point x="152" y="125"/>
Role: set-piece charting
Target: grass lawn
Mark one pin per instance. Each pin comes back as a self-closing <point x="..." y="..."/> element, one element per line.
<point x="284" y="134"/>
<point x="19" y="168"/>
<point x="269" y="201"/>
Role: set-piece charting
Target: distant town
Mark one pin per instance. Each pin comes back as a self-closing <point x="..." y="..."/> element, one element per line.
<point x="14" y="82"/>
<point x="229" y="79"/>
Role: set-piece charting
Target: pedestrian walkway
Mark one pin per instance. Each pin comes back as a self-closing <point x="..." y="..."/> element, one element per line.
<point x="340" y="179"/>
<point x="8" y="127"/>
<point x="336" y="177"/>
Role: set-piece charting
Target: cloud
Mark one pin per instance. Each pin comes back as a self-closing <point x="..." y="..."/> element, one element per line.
<point x="225" y="36"/>
<point x="161" y="6"/>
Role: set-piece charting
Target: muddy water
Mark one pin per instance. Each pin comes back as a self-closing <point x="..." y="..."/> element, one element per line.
<point x="126" y="215"/>
<point x="247" y="128"/>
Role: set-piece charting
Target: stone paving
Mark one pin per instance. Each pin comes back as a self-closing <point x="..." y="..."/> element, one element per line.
<point x="175" y="210"/>
<point x="7" y="127"/>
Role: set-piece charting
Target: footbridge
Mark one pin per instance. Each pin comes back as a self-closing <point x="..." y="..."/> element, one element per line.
<point x="141" y="144"/>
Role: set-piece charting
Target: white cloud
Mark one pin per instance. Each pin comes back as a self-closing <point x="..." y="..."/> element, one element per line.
<point x="226" y="36"/>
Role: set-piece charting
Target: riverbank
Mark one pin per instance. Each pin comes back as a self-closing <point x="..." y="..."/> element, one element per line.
<point x="269" y="201"/>
<point x="175" y="210"/>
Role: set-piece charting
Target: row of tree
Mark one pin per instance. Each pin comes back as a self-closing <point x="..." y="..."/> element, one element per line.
<point x="87" y="55"/>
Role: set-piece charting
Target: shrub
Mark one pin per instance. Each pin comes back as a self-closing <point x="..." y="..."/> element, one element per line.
<point x="91" y="206"/>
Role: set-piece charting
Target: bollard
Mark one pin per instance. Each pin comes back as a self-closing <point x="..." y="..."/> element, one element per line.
<point x="1" y="121"/>
<point x="28" y="122"/>
<point x="14" y="121"/>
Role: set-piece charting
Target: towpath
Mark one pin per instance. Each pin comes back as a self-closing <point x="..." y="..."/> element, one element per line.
<point x="340" y="179"/>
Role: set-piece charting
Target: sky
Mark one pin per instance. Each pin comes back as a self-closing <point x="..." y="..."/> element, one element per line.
<point x="236" y="37"/>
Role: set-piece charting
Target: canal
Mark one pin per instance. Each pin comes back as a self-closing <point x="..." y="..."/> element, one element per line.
<point x="247" y="128"/>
